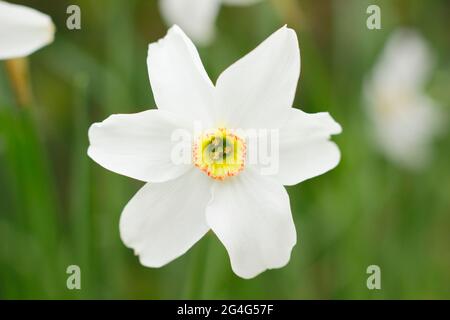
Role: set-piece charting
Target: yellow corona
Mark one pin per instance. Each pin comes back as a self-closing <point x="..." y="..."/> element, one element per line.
<point x="220" y="154"/>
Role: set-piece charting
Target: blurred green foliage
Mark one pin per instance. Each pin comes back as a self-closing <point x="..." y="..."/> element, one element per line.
<point x="57" y="207"/>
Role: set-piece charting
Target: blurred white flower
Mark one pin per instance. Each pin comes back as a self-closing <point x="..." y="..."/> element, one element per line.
<point x="23" y="30"/>
<point x="404" y="118"/>
<point x="196" y="17"/>
<point x="249" y="212"/>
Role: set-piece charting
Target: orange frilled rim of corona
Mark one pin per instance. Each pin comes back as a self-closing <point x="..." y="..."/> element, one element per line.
<point x="220" y="154"/>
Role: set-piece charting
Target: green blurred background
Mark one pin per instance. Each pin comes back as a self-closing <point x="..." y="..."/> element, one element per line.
<point x="58" y="208"/>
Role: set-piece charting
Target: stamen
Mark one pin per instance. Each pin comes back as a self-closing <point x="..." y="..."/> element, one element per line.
<point x="219" y="154"/>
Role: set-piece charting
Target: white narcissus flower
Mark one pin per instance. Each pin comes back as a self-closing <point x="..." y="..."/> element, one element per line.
<point x="23" y="30"/>
<point x="248" y="211"/>
<point x="404" y="118"/>
<point x="196" y="17"/>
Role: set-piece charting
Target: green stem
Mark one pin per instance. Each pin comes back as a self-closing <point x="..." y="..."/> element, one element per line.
<point x="195" y="281"/>
<point x="19" y="77"/>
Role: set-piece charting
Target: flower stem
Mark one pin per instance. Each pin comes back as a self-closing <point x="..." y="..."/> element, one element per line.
<point x="19" y="76"/>
<point x="290" y="11"/>
<point x="196" y="275"/>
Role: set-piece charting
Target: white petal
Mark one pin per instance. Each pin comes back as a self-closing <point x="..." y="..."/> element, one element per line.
<point x="305" y="149"/>
<point x="163" y="220"/>
<point x="196" y="17"/>
<point x="404" y="63"/>
<point x="179" y="81"/>
<point x="23" y="30"/>
<point x="251" y="215"/>
<point x="240" y="2"/>
<point x="258" y="90"/>
<point x="405" y="133"/>
<point x="137" y="145"/>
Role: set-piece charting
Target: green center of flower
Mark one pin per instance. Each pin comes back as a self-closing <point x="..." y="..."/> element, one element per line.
<point x="219" y="154"/>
